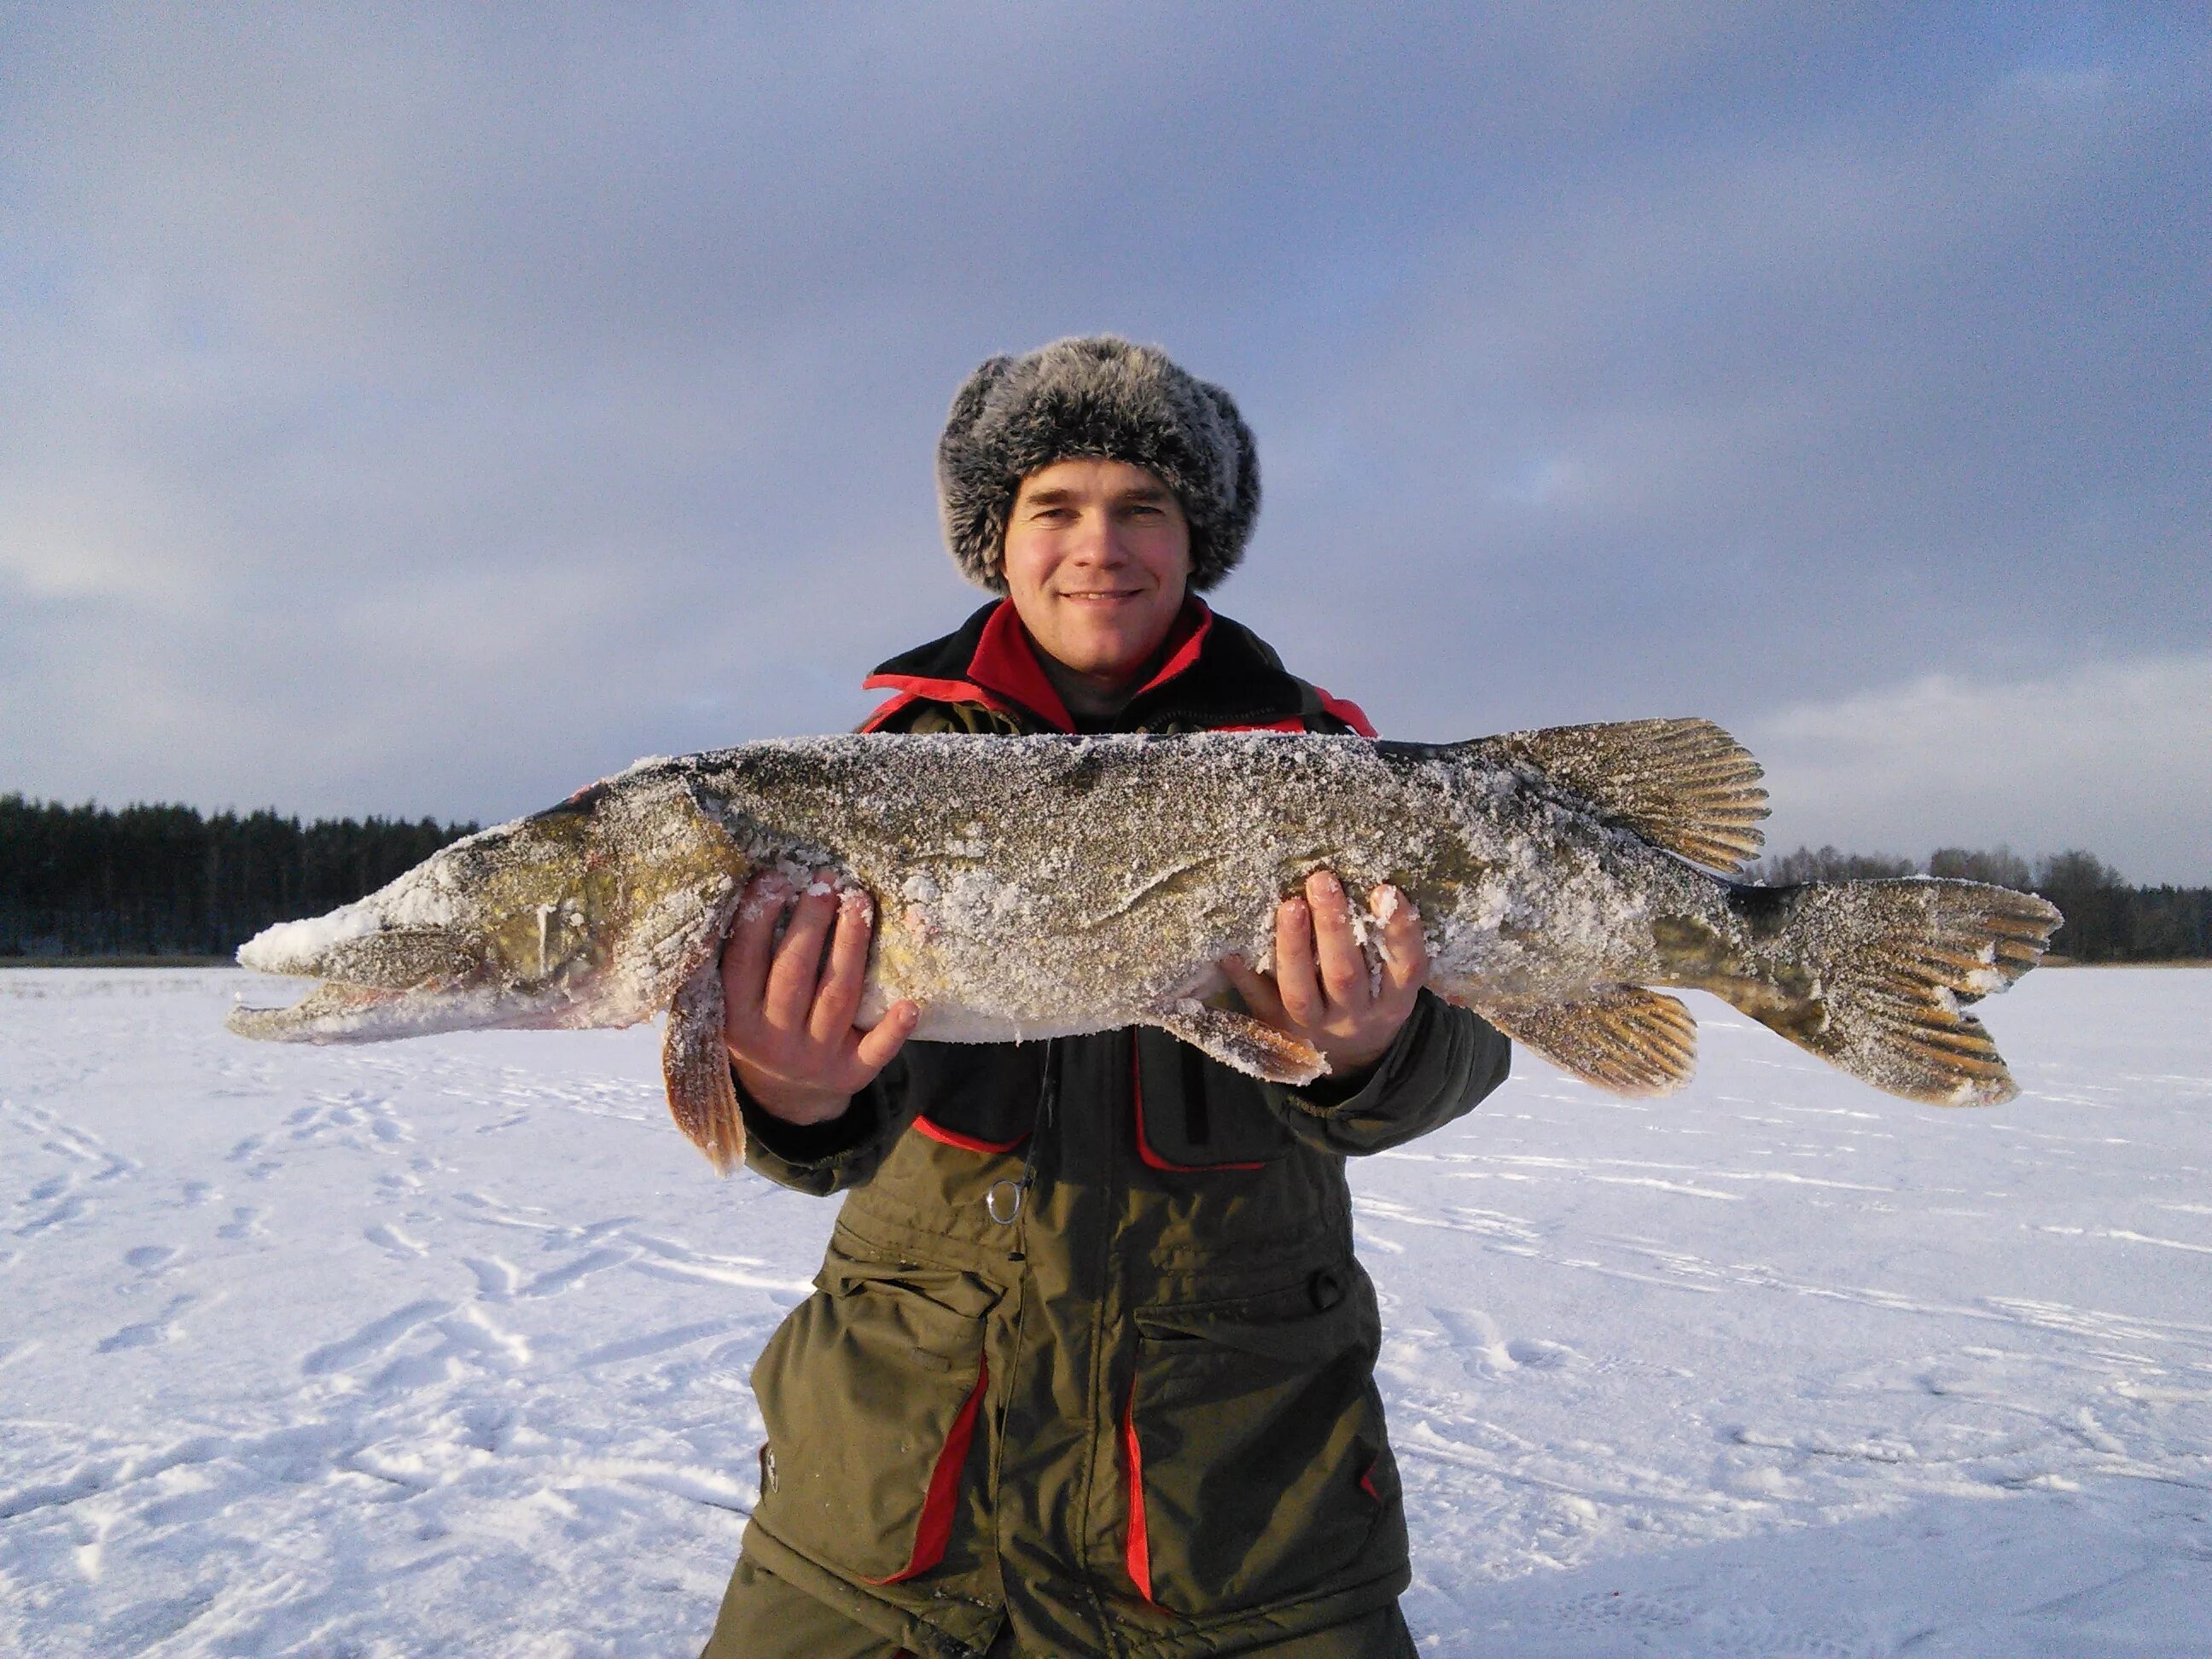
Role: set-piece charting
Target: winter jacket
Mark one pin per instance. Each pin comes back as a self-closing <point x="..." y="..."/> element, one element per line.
<point x="1130" y="1404"/>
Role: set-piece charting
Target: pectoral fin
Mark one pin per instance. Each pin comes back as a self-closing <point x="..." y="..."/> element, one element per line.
<point x="1242" y="1044"/>
<point x="1626" y="1040"/>
<point x="696" y="1066"/>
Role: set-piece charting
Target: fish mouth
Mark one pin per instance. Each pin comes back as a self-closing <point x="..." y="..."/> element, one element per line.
<point x="359" y="946"/>
<point x="330" y="1012"/>
<point x="341" y="1007"/>
<point x="377" y="980"/>
<point x="337" y="1011"/>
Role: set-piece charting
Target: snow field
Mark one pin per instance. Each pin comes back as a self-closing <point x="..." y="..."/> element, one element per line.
<point x="441" y="1347"/>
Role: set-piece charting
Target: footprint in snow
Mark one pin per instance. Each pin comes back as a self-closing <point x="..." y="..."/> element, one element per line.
<point x="248" y="1152"/>
<point x="373" y="1337"/>
<point x="495" y="1278"/>
<point x="1711" y="1626"/>
<point x="1476" y="1340"/>
<point x="486" y="1426"/>
<point x="645" y="1347"/>
<point x="422" y="1344"/>
<point x="554" y="1280"/>
<point x="151" y="1259"/>
<point x="162" y="1327"/>
<point x="1614" y="1611"/>
<point x="392" y="1240"/>
<point x="1534" y="1353"/>
<point x="70" y="1209"/>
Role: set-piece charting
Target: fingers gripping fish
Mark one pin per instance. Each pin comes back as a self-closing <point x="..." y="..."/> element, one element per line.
<point x="1035" y="887"/>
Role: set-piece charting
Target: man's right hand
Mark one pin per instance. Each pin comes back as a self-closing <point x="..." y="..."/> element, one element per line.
<point x="787" y="1011"/>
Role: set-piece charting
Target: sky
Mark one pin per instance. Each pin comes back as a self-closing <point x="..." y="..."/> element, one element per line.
<point x="425" y="410"/>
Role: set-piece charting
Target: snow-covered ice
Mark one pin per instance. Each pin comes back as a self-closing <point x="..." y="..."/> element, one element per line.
<point x="441" y="1347"/>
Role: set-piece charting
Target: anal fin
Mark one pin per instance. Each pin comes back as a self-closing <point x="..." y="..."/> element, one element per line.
<point x="1623" y="1038"/>
<point x="694" y="1066"/>
<point x="1242" y="1044"/>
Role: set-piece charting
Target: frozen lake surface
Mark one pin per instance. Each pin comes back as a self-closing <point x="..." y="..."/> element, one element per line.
<point x="441" y="1347"/>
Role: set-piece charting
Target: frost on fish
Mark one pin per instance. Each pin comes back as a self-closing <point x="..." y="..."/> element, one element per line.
<point x="1034" y="887"/>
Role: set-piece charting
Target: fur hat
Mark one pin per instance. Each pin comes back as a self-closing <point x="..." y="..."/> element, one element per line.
<point x="1099" y="397"/>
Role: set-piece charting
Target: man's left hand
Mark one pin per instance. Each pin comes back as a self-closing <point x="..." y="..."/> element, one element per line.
<point x="1322" y="990"/>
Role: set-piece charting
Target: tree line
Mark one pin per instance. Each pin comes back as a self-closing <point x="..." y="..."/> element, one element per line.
<point x="165" y="881"/>
<point x="2106" y="919"/>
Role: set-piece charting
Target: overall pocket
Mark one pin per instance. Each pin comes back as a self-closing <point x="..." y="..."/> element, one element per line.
<point x="871" y="1390"/>
<point x="1195" y="1115"/>
<point x="1257" y="1464"/>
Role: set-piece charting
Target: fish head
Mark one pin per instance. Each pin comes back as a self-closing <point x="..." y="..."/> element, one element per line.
<point x="587" y="914"/>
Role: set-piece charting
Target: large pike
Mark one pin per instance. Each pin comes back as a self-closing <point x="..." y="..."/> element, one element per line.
<point x="1033" y="887"/>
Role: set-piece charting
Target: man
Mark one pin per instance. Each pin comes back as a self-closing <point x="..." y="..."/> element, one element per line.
<point x="1090" y="1366"/>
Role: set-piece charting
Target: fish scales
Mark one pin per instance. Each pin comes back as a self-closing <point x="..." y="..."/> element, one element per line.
<point x="1032" y="887"/>
<point x="1049" y="886"/>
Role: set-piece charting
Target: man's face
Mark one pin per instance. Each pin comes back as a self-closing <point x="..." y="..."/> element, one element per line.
<point x="1098" y="560"/>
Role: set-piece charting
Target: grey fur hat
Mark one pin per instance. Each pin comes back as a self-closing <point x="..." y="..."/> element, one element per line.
<point x="1096" y="397"/>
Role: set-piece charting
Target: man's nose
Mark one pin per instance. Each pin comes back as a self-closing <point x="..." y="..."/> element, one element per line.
<point x="1098" y="541"/>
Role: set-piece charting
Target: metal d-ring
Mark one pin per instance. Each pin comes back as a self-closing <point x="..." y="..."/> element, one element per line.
<point x="1006" y="1210"/>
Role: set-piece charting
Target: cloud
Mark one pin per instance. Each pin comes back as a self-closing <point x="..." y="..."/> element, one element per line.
<point x="2116" y="757"/>
<point x="1805" y="406"/>
<point x="423" y="413"/>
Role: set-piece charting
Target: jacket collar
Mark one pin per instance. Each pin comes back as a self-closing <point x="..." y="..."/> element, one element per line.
<point x="1217" y="672"/>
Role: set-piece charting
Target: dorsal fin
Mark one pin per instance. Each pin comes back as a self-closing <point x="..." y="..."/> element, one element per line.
<point x="1684" y="785"/>
<point x="1623" y="1038"/>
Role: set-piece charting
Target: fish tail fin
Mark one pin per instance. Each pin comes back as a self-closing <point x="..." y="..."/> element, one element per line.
<point x="695" y="1066"/>
<point x="1872" y="977"/>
